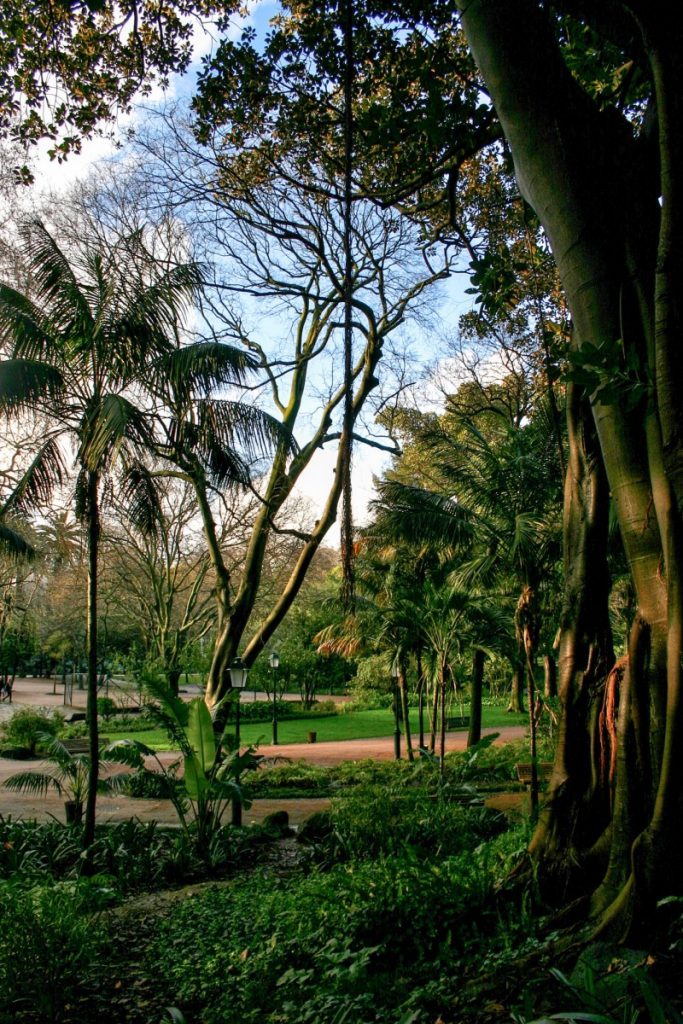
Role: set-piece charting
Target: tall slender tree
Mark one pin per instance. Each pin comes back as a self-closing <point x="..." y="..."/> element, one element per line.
<point x="79" y="346"/>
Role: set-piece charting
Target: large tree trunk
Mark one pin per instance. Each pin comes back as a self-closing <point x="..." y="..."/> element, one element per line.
<point x="592" y="185"/>
<point x="577" y="811"/>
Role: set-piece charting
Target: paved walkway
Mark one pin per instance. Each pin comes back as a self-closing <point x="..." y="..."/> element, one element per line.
<point x="38" y="692"/>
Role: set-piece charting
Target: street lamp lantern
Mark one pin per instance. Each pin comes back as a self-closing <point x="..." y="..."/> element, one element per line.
<point x="238" y="672"/>
<point x="274" y="666"/>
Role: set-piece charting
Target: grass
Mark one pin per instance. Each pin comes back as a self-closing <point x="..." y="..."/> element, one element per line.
<point x="331" y="728"/>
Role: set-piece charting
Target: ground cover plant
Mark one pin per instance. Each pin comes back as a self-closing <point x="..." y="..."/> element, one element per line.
<point x="403" y="905"/>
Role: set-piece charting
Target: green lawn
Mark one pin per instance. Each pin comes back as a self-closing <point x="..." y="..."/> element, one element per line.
<point x="357" y="725"/>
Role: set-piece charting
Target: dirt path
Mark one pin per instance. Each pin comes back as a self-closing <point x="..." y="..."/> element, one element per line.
<point x="38" y="692"/>
<point x="117" y="808"/>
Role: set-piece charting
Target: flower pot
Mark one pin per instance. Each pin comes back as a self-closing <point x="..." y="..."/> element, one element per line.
<point x="74" y="812"/>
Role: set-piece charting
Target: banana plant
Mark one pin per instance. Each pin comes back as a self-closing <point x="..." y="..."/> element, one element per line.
<point x="210" y="769"/>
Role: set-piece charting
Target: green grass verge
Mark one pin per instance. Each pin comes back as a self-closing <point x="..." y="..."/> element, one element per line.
<point x="355" y="725"/>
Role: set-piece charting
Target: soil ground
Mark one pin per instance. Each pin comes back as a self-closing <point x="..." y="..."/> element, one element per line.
<point x="39" y="693"/>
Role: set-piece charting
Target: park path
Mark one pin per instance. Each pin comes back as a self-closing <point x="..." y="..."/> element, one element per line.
<point x="38" y="693"/>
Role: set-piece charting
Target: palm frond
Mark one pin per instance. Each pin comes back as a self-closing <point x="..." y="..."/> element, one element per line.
<point x="253" y="432"/>
<point x="24" y="330"/>
<point x="417" y="516"/>
<point x="34" y="783"/>
<point x="225" y="468"/>
<point x="342" y="638"/>
<point x="205" y="365"/>
<point x="13" y="544"/>
<point x="34" y="490"/>
<point x="54" y="281"/>
<point x="140" y="322"/>
<point x="479" y="570"/>
<point x="227" y="436"/>
<point x="26" y="383"/>
<point x="141" y="498"/>
<point x="105" y="426"/>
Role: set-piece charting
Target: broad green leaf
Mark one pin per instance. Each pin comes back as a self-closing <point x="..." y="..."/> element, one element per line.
<point x="200" y="734"/>
<point x="196" y="781"/>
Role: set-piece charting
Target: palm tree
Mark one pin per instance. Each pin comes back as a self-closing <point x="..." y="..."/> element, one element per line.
<point x="80" y="347"/>
<point x="499" y="517"/>
<point x="502" y="515"/>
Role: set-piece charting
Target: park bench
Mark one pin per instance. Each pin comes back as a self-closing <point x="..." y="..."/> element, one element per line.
<point x="81" y="744"/>
<point x="544" y="770"/>
<point x="457" y="722"/>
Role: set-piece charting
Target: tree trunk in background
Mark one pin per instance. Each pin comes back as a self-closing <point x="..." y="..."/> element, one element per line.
<point x="474" y="734"/>
<point x="93" y="513"/>
<point x="405" y="711"/>
<point x="421" y="687"/>
<point x="516" y="704"/>
<point x="435" y="714"/>
<point x="549" y="676"/>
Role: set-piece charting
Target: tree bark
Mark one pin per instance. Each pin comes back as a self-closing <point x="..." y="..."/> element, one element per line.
<point x="516" y="703"/>
<point x="577" y="811"/>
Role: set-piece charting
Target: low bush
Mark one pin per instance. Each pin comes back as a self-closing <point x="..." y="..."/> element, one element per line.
<point x="132" y="854"/>
<point x="106" y="708"/>
<point x="262" y="710"/>
<point x="371" y="822"/>
<point x="27" y="726"/>
<point x="293" y="778"/>
<point x="50" y="945"/>
<point x="147" y="785"/>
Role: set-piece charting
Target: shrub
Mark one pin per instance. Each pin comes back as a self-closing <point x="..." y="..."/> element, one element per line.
<point x="290" y="778"/>
<point x="27" y="726"/>
<point x="146" y="785"/>
<point x="133" y="855"/>
<point x="130" y="723"/>
<point x="33" y="850"/>
<point x="373" y="822"/>
<point x="106" y="708"/>
<point x="262" y="710"/>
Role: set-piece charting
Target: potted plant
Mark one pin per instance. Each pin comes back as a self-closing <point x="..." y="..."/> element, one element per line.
<point x="67" y="772"/>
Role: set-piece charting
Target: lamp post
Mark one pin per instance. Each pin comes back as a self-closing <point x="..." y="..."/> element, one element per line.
<point x="397" y="727"/>
<point x="274" y="666"/>
<point x="238" y="672"/>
